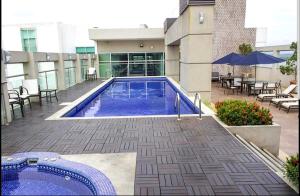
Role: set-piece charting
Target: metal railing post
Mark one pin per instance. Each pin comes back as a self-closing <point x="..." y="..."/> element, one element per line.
<point x="177" y="105"/>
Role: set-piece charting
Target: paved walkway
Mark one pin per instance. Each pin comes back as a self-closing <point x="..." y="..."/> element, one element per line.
<point x="289" y="122"/>
<point x="173" y="157"/>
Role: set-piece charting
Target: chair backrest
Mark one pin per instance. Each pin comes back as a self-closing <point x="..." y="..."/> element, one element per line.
<point x="258" y="84"/>
<point x="271" y="85"/>
<point x="215" y="74"/>
<point x="10" y="86"/>
<point x="289" y="89"/>
<point x="92" y="70"/>
<point x="228" y="84"/>
<point x="32" y="86"/>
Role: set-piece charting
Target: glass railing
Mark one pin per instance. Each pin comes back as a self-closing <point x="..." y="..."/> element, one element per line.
<point x="16" y="80"/>
<point x="70" y="76"/>
<point x="47" y="79"/>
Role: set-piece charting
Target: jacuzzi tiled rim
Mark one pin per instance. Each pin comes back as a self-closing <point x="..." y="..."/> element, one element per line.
<point x="95" y="180"/>
<point x="59" y="115"/>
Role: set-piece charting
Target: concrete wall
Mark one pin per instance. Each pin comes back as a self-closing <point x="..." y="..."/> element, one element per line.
<point x="131" y="46"/>
<point x="195" y="47"/>
<point x="172" y="62"/>
<point x="126" y="34"/>
<point x="230" y="32"/>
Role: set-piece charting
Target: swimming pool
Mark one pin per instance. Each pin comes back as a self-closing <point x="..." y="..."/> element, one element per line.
<point x="45" y="173"/>
<point x="142" y="96"/>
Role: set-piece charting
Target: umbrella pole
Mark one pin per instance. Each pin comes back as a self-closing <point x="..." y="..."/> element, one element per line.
<point x="255" y="73"/>
<point x="233" y="70"/>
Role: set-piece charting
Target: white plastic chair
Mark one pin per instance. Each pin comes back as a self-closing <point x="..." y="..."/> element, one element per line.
<point x="91" y="73"/>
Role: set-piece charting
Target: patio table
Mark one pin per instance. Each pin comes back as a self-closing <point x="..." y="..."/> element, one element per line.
<point x="248" y="84"/>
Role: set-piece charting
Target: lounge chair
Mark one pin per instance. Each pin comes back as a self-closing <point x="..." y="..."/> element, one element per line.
<point x="289" y="105"/>
<point x="278" y="101"/>
<point x="31" y="88"/>
<point x="91" y="73"/>
<point x="285" y="93"/>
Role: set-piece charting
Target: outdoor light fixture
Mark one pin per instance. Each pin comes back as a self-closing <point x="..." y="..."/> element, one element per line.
<point x="47" y="57"/>
<point x="141" y="45"/>
<point x="201" y="18"/>
<point x="7" y="56"/>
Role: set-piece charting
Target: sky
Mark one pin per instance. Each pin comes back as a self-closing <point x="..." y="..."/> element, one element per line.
<point x="276" y="21"/>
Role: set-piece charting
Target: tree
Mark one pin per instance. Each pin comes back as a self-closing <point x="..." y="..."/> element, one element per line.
<point x="245" y="49"/>
<point x="291" y="63"/>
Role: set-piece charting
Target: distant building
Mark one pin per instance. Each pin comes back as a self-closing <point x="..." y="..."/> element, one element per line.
<point x="42" y="37"/>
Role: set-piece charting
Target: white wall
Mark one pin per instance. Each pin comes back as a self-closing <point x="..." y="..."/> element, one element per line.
<point x="51" y="37"/>
<point x="11" y="38"/>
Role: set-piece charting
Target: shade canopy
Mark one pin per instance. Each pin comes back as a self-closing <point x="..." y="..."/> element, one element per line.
<point x="231" y="59"/>
<point x="257" y="57"/>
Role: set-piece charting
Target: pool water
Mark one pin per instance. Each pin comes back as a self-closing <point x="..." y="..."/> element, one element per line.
<point x="135" y="97"/>
<point x="31" y="181"/>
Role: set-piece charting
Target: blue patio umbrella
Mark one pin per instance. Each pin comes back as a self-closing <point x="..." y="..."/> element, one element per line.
<point x="230" y="59"/>
<point x="257" y="57"/>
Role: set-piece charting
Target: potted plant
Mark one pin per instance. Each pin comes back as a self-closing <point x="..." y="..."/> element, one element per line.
<point x="291" y="64"/>
<point x="245" y="49"/>
<point x="291" y="168"/>
<point x="250" y="121"/>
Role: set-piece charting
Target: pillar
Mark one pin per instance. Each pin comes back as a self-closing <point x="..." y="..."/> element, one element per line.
<point x="78" y="69"/>
<point x="31" y="68"/>
<point x="5" y="107"/>
<point x="59" y="65"/>
<point x="172" y="62"/>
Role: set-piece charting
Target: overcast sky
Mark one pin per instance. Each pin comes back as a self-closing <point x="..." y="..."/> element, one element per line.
<point x="278" y="17"/>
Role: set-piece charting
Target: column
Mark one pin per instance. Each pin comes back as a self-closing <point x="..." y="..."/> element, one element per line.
<point x="5" y="107"/>
<point x="59" y="65"/>
<point x="172" y="62"/>
<point x="31" y="68"/>
<point x="78" y="69"/>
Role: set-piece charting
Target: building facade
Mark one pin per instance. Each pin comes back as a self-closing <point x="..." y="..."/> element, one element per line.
<point x="204" y="31"/>
<point x="42" y="37"/>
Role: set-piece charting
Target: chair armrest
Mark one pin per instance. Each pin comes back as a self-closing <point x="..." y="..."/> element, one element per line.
<point x="13" y="92"/>
<point x="21" y="90"/>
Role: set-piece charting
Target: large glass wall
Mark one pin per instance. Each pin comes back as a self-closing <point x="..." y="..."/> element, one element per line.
<point x="28" y="37"/>
<point x="131" y="64"/>
<point x="70" y="74"/>
<point x="47" y="75"/>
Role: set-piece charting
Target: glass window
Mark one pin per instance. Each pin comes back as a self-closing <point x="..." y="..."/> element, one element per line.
<point x="104" y="70"/>
<point x="104" y="57"/>
<point x="14" y="70"/>
<point x="137" y="56"/>
<point x="155" y="69"/>
<point x="137" y="69"/>
<point x="119" y="70"/>
<point x="28" y="37"/>
<point x="84" y="68"/>
<point x="119" y="57"/>
<point x="155" y="56"/>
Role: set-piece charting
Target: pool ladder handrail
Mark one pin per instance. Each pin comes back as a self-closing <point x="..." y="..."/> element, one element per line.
<point x="177" y="105"/>
<point x="198" y="97"/>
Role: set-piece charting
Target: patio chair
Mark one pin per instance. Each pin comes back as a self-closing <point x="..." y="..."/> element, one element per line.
<point x="31" y="88"/>
<point x="285" y="93"/>
<point x="15" y="94"/>
<point x="270" y="87"/>
<point x="14" y="98"/>
<point x="278" y="101"/>
<point x="215" y="76"/>
<point x="257" y="87"/>
<point x="91" y="73"/>
<point x="237" y="82"/>
<point x="289" y="105"/>
<point x="230" y="87"/>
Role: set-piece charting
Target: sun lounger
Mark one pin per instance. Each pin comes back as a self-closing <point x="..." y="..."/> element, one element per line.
<point x="278" y="101"/>
<point x="285" y="93"/>
<point x="289" y="105"/>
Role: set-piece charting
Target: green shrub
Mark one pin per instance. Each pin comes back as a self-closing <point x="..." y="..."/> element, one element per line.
<point x="238" y="113"/>
<point x="292" y="169"/>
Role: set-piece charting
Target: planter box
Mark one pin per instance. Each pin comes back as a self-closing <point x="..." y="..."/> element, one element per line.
<point x="264" y="136"/>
